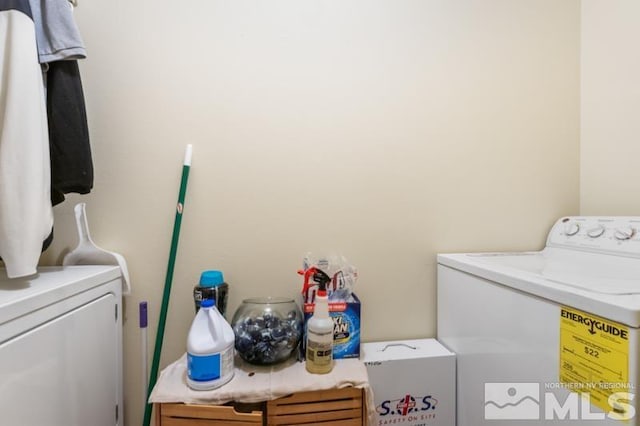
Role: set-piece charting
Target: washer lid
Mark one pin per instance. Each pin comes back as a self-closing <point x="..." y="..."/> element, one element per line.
<point x="605" y="285"/>
<point x="594" y="272"/>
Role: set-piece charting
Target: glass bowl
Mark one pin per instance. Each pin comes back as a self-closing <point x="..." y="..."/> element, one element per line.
<point x="268" y="329"/>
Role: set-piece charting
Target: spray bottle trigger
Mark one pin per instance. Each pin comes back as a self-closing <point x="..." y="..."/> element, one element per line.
<point x="321" y="278"/>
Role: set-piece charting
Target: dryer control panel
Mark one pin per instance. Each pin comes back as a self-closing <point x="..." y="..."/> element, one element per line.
<point x="619" y="235"/>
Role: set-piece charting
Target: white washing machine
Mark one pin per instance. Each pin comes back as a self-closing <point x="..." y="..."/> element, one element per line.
<point x="61" y="347"/>
<point x="548" y="337"/>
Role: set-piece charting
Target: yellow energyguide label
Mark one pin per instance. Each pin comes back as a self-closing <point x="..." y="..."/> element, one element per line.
<point x="594" y="356"/>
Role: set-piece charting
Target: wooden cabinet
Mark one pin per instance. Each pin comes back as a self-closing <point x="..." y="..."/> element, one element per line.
<point x="333" y="407"/>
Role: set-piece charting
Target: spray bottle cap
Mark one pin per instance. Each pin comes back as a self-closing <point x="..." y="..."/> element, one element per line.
<point x="207" y="303"/>
<point x="322" y="279"/>
<point x="318" y="276"/>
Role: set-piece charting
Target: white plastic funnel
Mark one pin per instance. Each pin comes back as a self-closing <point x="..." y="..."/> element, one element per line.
<point x="87" y="253"/>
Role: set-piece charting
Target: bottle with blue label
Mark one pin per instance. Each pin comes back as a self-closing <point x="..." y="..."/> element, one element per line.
<point x="210" y="347"/>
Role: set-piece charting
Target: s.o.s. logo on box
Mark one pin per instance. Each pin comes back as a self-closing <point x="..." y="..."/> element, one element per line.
<point x="406" y="405"/>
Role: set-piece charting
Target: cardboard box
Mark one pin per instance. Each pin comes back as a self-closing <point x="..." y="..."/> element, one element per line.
<point x="346" y="327"/>
<point x="413" y="382"/>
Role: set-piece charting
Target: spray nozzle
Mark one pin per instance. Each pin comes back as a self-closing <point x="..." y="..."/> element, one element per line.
<point x="318" y="276"/>
<point x="321" y="278"/>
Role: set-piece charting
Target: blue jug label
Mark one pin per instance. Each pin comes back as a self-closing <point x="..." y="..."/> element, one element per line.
<point x="203" y="368"/>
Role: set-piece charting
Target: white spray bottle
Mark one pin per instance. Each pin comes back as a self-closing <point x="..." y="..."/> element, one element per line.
<point x="319" y="344"/>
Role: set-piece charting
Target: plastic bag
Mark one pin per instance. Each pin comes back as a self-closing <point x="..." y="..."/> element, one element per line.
<point x="343" y="276"/>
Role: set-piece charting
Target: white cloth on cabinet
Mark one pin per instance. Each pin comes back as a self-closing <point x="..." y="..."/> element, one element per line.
<point x="26" y="214"/>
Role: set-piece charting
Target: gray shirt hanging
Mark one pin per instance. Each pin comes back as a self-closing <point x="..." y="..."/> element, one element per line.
<point x="57" y="34"/>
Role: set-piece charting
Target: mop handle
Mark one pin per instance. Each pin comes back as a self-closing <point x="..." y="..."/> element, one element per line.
<point x="167" y="283"/>
<point x="143" y="345"/>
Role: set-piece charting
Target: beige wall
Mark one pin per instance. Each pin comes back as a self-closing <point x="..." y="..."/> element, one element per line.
<point x="610" y="104"/>
<point x="385" y="131"/>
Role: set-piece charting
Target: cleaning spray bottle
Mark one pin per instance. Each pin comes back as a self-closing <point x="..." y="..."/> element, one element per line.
<point x="319" y="352"/>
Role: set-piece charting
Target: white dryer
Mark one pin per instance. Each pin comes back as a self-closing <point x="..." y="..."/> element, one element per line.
<point x="548" y="336"/>
<point x="61" y="347"/>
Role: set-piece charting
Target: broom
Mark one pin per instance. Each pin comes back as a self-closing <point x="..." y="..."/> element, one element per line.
<point x="167" y="283"/>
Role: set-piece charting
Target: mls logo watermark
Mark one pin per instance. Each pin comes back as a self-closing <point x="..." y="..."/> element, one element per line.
<point x="511" y="401"/>
<point x="524" y="401"/>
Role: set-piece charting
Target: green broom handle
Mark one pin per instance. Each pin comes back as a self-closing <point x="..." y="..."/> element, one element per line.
<point x="167" y="283"/>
